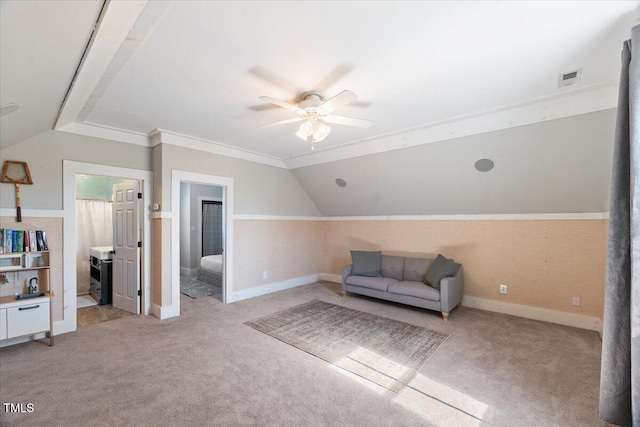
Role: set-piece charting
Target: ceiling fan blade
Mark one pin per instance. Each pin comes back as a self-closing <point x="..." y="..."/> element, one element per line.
<point x="273" y="79"/>
<point x="336" y="74"/>
<point x="343" y="98"/>
<point x="349" y="121"/>
<point x="281" y="122"/>
<point x="280" y="103"/>
<point x="262" y="107"/>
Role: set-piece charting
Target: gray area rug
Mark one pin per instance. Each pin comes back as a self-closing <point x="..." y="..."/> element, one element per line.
<point x="385" y="351"/>
<point x="193" y="288"/>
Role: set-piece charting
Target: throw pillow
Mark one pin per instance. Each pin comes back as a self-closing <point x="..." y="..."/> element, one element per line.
<point x="440" y="268"/>
<point x="365" y="263"/>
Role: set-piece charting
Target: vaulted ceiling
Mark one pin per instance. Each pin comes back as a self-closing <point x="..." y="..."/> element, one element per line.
<point x="193" y="70"/>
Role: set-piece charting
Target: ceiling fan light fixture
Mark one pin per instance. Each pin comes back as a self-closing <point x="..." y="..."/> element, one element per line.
<point x="314" y="111"/>
<point x="306" y="129"/>
<point x="320" y="130"/>
<point x="314" y="129"/>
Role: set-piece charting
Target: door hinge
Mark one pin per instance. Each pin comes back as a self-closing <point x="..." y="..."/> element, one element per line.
<point x="139" y="244"/>
<point x="139" y="195"/>
<point x="139" y="292"/>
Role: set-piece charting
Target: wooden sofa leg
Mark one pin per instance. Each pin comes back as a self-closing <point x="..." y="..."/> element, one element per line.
<point x="445" y="317"/>
<point x="344" y="294"/>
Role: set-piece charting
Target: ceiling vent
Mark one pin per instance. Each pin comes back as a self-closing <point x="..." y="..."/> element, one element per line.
<point x="570" y="78"/>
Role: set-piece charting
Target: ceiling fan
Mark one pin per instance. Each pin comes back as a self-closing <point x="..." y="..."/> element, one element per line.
<point x="315" y="112"/>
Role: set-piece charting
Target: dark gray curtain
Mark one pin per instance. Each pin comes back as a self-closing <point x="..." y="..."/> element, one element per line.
<point x="620" y="373"/>
<point x="211" y="228"/>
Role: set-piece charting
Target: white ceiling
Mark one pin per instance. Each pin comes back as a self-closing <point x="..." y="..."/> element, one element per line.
<point x="41" y="43"/>
<point x="195" y="69"/>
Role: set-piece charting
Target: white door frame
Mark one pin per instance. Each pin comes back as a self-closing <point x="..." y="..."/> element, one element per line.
<point x="70" y="286"/>
<point x="226" y="183"/>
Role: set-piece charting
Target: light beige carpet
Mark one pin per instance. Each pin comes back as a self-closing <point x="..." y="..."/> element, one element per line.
<point x="385" y="351"/>
<point x="207" y="368"/>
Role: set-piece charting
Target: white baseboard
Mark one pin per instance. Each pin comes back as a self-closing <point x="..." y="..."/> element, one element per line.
<point x="188" y="272"/>
<point x="535" y="313"/>
<point x="272" y="287"/>
<point x="164" y="312"/>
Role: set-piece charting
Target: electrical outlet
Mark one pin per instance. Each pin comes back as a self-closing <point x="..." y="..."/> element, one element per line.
<point x="575" y="301"/>
<point x="265" y="274"/>
<point x="503" y="289"/>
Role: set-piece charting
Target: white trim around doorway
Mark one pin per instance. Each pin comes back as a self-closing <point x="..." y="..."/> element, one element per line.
<point x="69" y="170"/>
<point x="226" y="183"/>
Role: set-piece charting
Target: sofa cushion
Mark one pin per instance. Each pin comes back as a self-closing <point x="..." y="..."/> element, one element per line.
<point x="392" y="266"/>
<point x="440" y="268"/>
<point x="415" y="269"/>
<point x="414" y="289"/>
<point x="377" y="283"/>
<point x="365" y="263"/>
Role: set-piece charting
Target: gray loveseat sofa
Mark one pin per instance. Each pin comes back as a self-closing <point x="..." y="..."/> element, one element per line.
<point x="402" y="280"/>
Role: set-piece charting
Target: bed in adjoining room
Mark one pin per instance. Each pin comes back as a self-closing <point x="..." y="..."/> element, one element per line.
<point x="210" y="270"/>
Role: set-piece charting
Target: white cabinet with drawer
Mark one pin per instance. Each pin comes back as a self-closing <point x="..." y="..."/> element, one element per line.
<point x="20" y="318"/>
<point x="28" y="319"/>
<point x="26" y="314"/>
<point x="3" y="323"/>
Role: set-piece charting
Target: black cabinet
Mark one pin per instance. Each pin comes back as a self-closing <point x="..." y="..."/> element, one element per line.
<point x="100" y="287"/>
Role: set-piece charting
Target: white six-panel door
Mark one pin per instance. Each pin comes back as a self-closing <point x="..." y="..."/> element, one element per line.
<point x="126" y="235"/>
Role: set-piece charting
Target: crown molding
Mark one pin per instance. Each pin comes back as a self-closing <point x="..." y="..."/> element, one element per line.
<point x="570" y="103"/>
<point x="585" y="100"/>
<point x="105" y="132"/>
<point x="160" y="136"/>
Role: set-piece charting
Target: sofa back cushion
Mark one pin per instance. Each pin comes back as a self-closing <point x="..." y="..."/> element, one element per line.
<point x="365" y="263"/>
<point x="439" y="269"/>
<point x="415" y="269"/>
<point x="392" y="266"/>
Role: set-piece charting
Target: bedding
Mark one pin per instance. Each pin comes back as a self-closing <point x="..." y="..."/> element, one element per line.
<point x="212" y="263"/>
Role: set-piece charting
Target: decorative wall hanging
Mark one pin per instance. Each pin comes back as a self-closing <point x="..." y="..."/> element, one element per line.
<point x="16" y="173"/>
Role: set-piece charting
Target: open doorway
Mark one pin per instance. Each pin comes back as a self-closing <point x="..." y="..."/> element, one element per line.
<point x="108" y="240"/>
<point x="68" y="299"/>
<point x="177" y="224"/>
<point x="201" y="240"/>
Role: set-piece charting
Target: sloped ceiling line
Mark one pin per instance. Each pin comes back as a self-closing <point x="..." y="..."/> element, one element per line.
<point x="108" y="52"/>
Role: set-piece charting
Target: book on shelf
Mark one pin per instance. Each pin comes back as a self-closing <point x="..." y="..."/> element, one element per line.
<point x="27" y="245"/>
<point x="22" y="240"/>
<point x="8" y="239"/>
<point x="40" y="238"/>
<point x="32" y="240"/>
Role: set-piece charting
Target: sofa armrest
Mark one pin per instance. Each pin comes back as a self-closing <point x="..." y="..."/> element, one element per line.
<point x="346" y="271"/>
<point x="451" y="291"/>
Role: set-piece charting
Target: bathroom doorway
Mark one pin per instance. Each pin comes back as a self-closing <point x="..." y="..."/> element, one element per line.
<point x="99" y="220"/>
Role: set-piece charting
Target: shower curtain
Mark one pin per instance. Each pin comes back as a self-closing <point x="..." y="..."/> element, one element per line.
<point x="94" y="228"/>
